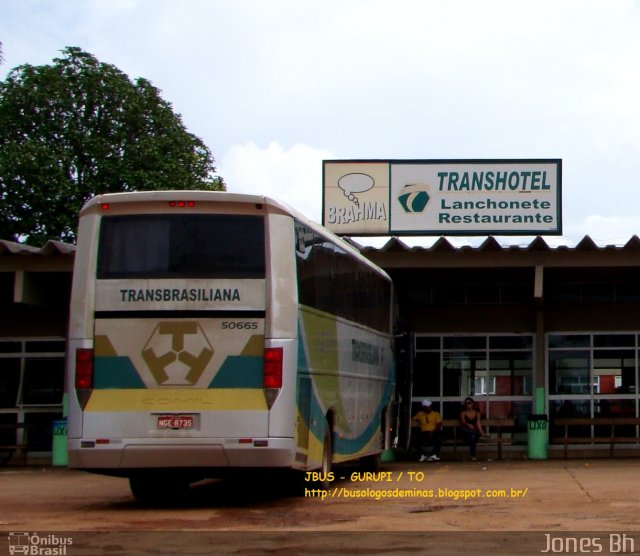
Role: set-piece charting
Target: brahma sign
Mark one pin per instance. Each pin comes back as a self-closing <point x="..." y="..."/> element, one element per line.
<point x="443" y="197"/>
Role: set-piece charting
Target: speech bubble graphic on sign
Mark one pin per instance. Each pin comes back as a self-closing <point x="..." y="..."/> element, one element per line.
<point x="355" y="183"/>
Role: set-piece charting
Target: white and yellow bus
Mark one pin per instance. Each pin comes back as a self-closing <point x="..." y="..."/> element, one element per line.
<point x="212" y="331"/>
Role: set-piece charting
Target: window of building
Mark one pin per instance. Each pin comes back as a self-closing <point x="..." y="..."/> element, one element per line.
<point x="592" y="375"/>
<point x="565" y="292"/>
<point x="495" y="370"/>
<point x="31" y="388"/>
<point x="485" y="385"/>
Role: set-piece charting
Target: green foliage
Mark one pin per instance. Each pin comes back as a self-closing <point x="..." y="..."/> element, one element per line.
<point x="78" y="128"/>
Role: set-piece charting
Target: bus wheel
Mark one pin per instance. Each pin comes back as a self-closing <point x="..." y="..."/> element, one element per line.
<point x="5" y="456"/>
<point x="374" y="461"/>
<point x="157" y="489"/>
<point x="371" y="463"/>
<point x="327" y="455"/>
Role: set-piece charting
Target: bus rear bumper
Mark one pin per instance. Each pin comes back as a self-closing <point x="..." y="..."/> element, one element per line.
<point x="205" y="453"/>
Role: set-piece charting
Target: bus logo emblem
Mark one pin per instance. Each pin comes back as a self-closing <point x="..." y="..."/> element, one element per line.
<point x="177" y="353"/>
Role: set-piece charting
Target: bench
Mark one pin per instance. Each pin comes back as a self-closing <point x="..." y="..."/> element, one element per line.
<point x="610" y="437"/>
<point x="6" y="450"/>
<point x="494" y="425"/>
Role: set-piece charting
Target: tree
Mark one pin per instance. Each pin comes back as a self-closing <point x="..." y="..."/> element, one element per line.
<point x="78" y="128"/>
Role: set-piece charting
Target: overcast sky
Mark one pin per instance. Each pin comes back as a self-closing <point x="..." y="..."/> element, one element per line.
<point x="273" y="87"/>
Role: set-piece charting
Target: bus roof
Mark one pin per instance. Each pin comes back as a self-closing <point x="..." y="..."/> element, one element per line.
<point x="133" y="197"/>
<point x="184" y="195"/>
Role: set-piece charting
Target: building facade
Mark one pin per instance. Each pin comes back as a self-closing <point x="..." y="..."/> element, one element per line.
<point x="521" y="329"/>
<point x="35" y="285"/>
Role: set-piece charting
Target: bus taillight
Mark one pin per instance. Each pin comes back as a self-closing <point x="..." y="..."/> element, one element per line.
<point x="84" y="375"/>
<point x="84" y="369"/>
<point x="272" y="368"/>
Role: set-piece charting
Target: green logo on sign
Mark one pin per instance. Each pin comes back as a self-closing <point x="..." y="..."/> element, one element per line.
<point x="414" y="197"/>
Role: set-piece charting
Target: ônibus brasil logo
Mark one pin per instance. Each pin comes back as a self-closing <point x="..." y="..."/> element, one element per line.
<point x="38" y="545"/>
<point x="414" y="197"/>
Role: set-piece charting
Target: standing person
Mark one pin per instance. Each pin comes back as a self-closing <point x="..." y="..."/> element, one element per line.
<point x="430" y="423"/>
<point x="471" y="425"/>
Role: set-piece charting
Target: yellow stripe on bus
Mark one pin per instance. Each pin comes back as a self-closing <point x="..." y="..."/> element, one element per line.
<point x="176" y="399"/>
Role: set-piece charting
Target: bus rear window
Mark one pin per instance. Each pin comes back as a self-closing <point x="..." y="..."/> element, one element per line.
<point x="181" y="246"/>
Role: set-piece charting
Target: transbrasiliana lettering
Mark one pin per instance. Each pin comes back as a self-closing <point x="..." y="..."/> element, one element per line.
<point x="365" y="352"/>
<point x="146" y="295"/>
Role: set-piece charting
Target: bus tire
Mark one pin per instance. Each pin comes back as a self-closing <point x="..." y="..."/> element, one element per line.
<point x="5" y="456"/>
<point x="154" y="489"/>
<point x="371" y="463"/>
<point x="327" y="457"/>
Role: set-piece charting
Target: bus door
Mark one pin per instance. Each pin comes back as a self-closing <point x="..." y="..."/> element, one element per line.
<point x="405" y="352"/>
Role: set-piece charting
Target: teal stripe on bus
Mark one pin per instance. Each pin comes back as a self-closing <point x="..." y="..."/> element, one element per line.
<point x="311" y="410"/>
<point x="115" y="372"/>
<point x="239" y="371"/>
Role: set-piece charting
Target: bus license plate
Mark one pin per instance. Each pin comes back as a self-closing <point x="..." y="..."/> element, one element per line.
<point x="175" y="421"/>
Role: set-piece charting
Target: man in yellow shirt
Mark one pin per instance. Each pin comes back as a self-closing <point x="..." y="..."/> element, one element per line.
<point x="430" y="423"/>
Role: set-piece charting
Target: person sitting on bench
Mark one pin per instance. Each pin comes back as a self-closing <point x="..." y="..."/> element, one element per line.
<point x="430" y="423"/>
<point x="471" y="425"/>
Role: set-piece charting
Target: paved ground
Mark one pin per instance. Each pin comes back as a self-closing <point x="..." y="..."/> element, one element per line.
<point x="500" y="507"/>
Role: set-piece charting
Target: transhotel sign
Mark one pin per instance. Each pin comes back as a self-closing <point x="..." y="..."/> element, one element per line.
<point x="442" y="197"/>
